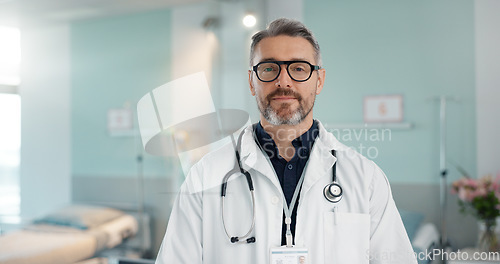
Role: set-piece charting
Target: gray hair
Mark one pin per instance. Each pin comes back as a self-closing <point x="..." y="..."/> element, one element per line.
<point x="287" y="27"/>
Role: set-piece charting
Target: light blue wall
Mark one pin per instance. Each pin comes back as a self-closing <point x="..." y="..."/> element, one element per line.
<point x="115" y="61"/>
<point x="419" y="49"/>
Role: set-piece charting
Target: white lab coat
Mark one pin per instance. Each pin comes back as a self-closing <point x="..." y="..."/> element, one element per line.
<point x="364" y="227"/>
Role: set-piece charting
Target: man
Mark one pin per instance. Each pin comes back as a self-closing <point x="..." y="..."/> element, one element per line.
<point x="291" y="160"/>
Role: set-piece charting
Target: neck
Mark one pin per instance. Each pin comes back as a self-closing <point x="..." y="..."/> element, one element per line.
<point x="283" y="135"/>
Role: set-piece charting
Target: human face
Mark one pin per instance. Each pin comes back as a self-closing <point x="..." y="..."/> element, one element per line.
<point x="285" y="101"/>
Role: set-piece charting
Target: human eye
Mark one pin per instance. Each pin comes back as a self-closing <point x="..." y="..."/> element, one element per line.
<point x="298" y="67"/>
<point x="268" y="67"/>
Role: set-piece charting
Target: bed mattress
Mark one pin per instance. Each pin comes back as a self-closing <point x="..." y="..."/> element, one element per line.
<point x="58" y="244"/>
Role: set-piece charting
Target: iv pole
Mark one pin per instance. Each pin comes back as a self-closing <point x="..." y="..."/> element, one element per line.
<point x="442" y="169"/>
<point x="443" y="172"/>
<point x="140" y="186"/>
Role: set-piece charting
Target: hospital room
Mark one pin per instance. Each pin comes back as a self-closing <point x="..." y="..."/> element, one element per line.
<point x="109" y="110"/>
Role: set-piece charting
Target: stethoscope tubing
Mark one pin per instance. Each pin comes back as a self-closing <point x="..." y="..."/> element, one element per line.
<point x="246" y="238"/>
<point x="240" y="239"/>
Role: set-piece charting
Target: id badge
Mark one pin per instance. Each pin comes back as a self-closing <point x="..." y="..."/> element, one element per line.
<point x="289" y="255"/>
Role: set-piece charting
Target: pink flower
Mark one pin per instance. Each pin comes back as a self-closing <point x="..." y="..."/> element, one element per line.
<point x="479" y="192"/>
<point x="471" y="183"/>
<point x="464" y="195"/>
<point x="494" y="186"/>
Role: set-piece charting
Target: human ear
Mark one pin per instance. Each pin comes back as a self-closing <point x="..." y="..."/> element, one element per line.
<point x="252" y="89"/>
<point x="321" y="81"/>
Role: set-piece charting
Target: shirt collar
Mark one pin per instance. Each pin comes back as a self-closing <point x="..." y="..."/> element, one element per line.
<point x="304" y="141"/>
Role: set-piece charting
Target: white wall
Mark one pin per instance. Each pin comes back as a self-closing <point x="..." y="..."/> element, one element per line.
<point x="45" y="114"/>
<point x="487" y="85"/>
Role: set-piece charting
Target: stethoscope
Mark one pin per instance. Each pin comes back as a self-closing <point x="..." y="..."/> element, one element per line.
<point x="333" y="192"/>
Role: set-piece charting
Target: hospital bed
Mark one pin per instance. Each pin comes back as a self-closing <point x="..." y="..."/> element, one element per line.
<point x="68" y="235"/>
<point x="424" y="237"/>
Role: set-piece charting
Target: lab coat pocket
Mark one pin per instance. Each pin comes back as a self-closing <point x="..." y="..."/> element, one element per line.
<point x="347" y="238"/>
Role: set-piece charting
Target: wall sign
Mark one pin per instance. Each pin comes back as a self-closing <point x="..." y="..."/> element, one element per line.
<point x="383" y="108"/>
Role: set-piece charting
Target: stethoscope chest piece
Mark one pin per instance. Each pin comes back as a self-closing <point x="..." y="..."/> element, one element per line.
<point x="333" y="192"/>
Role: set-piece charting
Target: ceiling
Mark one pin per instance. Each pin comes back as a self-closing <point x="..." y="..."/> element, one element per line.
<point x="15" y="12"/>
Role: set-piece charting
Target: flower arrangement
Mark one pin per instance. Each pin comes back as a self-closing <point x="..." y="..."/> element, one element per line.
<point x="481" y="198"/>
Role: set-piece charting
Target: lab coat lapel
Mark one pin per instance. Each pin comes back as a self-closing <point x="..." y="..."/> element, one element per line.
<point x="321" y="159"/>
<point x="253" y="158"/>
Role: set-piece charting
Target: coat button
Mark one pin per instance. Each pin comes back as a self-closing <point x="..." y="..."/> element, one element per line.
<point x="290" y="166"/>
<point x="275" y="200"/>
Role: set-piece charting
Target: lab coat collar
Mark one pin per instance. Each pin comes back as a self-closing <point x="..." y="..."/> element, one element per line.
<point x="320" y="159"/>
<point x="253" y="158"/>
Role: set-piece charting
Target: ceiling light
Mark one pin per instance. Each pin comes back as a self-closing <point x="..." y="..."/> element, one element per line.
<point x="249" y="20"/>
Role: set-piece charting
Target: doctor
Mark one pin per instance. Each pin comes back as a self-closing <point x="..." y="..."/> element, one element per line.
<point x="292" y="160"/>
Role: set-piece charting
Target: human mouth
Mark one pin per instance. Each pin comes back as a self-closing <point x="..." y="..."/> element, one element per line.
<point x="284" y="98"/>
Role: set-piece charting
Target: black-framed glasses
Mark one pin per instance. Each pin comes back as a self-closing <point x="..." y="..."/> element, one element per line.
<point x="299" y="71"/>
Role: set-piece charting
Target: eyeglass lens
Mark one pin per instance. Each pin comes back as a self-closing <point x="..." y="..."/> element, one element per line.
<point x="299" y="71"/>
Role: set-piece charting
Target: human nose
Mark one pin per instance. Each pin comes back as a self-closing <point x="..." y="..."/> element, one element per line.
<point x="284" y="80"/>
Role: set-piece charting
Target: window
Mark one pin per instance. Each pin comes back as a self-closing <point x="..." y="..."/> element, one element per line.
<point x="10" y="144"/>
<point x="10" y="52"/>
<point x="10" y="121"/>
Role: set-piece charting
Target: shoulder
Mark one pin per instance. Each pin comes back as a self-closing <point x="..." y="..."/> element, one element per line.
<point x="209" y="171"/>
<point x="343" y="152"/>
<point x="219" y="158"/>
<point x="347" y="157"/>
<point x="358" y="171"/>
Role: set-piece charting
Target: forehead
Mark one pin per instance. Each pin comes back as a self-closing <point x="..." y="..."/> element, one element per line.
<point x="284" y="48"/>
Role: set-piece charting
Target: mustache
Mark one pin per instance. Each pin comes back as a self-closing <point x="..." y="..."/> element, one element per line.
<point x="283" y="92"/>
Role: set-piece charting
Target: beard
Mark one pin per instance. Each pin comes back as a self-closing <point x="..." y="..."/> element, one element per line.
<point x="284" y="115"/>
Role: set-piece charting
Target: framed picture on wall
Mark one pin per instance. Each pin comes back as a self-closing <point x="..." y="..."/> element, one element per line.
<point x="383" y="108"/>
<point x="120" y="120"/>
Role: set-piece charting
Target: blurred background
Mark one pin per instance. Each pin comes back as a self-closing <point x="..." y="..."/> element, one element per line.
<point x="72" y="72"/>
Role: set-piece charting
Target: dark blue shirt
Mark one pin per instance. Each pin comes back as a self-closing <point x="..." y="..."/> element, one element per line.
<point x="288" y="172"/>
